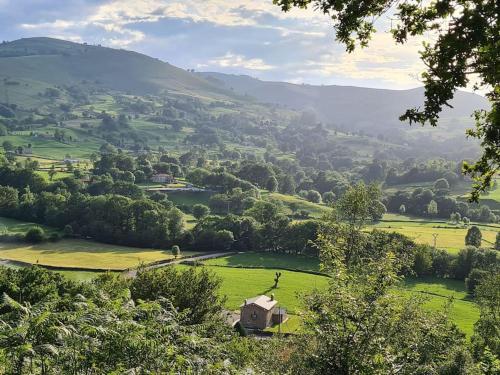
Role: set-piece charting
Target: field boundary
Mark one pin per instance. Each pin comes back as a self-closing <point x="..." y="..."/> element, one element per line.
<point x="317" y="273"/>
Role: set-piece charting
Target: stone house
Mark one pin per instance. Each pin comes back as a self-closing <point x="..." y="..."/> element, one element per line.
<point x="261" y="312"/>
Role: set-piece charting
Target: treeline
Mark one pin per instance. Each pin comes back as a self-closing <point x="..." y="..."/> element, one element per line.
<point x="108" y="211"/>
<point x="438" y="204"/>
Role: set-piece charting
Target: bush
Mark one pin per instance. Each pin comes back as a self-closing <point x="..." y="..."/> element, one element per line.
<point x="35" y="235"/>
<point x="422" y="263"/>
<point x="474" y="279"/>
<point x="200" y="211"/>
<point x="176" y="251"/>
<point x="68" y="230"/>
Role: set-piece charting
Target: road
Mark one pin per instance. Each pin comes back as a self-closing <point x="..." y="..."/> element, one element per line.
<point x="133" y="273"/>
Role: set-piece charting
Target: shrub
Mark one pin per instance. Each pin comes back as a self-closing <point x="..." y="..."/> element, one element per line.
<point x="35" y="235"/>
<point x="474" y="279"/>
<point x="176" y="251"/>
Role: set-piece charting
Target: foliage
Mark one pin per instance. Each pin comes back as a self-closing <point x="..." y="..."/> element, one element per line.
<point x="98" y="327"/>
<point x="487" y="329"/>
<point x="35" y="235"/>
<point x="473" y="237"/>
<point x="466" y="44"/>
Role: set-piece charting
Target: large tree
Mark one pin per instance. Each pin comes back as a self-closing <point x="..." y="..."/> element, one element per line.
<point x="466" y="46"/>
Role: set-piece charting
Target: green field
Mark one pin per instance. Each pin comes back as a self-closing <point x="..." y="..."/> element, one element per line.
<point x="266" y="260"/>
<point x="437" y="292"/>
<point x="82" y="254"/>
<point x="241" y="283"/>
<point x="189" y="198"/>
<point x="292" y="285"/>
<point x="12" y="226"/>
<point x="299" y="204"/>
<point x="450" y="237"/>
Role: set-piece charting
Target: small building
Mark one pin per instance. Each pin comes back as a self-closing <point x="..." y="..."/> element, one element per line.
<point x="162" y="178"/>
<point x="261" y="312"/>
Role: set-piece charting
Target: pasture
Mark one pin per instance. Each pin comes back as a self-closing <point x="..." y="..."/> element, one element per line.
<point x="450" y="237"/>
<point x="293" y="285"/>
<point x="84" y="254"/>
<point x="295" y="203"/>
<point x="241" y="283"/>
<point x="13" y="226"/>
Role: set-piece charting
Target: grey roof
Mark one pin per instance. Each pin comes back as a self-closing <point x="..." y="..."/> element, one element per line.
<point x="263" y="301"/>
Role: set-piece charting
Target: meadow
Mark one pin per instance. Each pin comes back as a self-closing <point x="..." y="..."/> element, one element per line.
<point x="435" y="292"/>
<point x="13" y="226"/>
<point x="82" y="254"/>
<point x="295" y="203"/>
<point x="450" y="237"/>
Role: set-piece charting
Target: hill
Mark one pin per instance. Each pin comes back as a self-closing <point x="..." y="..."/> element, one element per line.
<point x="59" y="62"/>
<point x="355" y="108"/>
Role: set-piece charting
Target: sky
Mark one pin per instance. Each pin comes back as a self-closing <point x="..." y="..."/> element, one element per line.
<point x="252" y="37"/>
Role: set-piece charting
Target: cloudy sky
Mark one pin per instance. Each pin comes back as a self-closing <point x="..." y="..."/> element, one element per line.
<point x="234" y="36"/>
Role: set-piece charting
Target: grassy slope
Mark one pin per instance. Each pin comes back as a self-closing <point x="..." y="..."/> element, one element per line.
<point x="268" y="260"/>
<point x="241" y="283"/>
<point x="463" y="311"/>
<point x="314" y="209"/>
<point x="12" y="226"/>
<point x="436" y="291"/>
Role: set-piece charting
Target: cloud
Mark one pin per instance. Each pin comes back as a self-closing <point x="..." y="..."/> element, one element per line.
<point x="383" y="61"/>
<point x="263" y="41"/>
<point x="230" y="60"/>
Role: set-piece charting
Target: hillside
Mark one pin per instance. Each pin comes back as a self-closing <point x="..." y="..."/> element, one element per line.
<point x="47" y="81"/>
<point x="372" y="110"/>
<point x="59" y="62"/>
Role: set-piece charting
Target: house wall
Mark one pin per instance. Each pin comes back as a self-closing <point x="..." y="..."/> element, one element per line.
<point x="253" y="316"/>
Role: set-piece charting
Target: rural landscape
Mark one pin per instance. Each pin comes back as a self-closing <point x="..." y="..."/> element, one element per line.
<point x="161" y="219"/>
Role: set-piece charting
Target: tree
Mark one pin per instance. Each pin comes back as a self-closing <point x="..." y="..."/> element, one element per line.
<point x="200" y="211"/>
<point x="223" y="240"/>
<point x="455" y="217"/>
<point x="35" y="235"/>
<point x="272" y="184"/>
<point x="497" y="242"/>
<point x="8" y="146"/>
<point x="486" y="329"/>
<point x="52" y="172"/>
<point x="276" y="279"/>
<point x="358" y="325"/>
<point x="441" y="184"/>
<point x="474" y="278"/>
<point x="464" y="43"/>
<point x="313" y="196"/>
<point x="473" y="237"/>
<point x="402" y="209"/>
<point x="432" y="208"/>
<point x="329" y="197"/>
<point x="176" y="251"/>
<point x="9" y="199"/>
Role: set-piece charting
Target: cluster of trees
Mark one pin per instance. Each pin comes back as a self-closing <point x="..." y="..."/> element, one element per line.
<point x="436" y="203"/>
<point x="115" y="212"/>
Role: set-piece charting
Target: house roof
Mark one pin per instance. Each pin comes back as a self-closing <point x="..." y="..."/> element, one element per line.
<point x="262" y="301"/>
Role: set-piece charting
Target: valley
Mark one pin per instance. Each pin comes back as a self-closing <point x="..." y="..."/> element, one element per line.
<point x="112" y="161"/>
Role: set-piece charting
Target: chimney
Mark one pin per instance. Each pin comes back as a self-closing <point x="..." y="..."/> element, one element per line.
<point x="272" y="296"/>
<point x="245" y="301"/>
